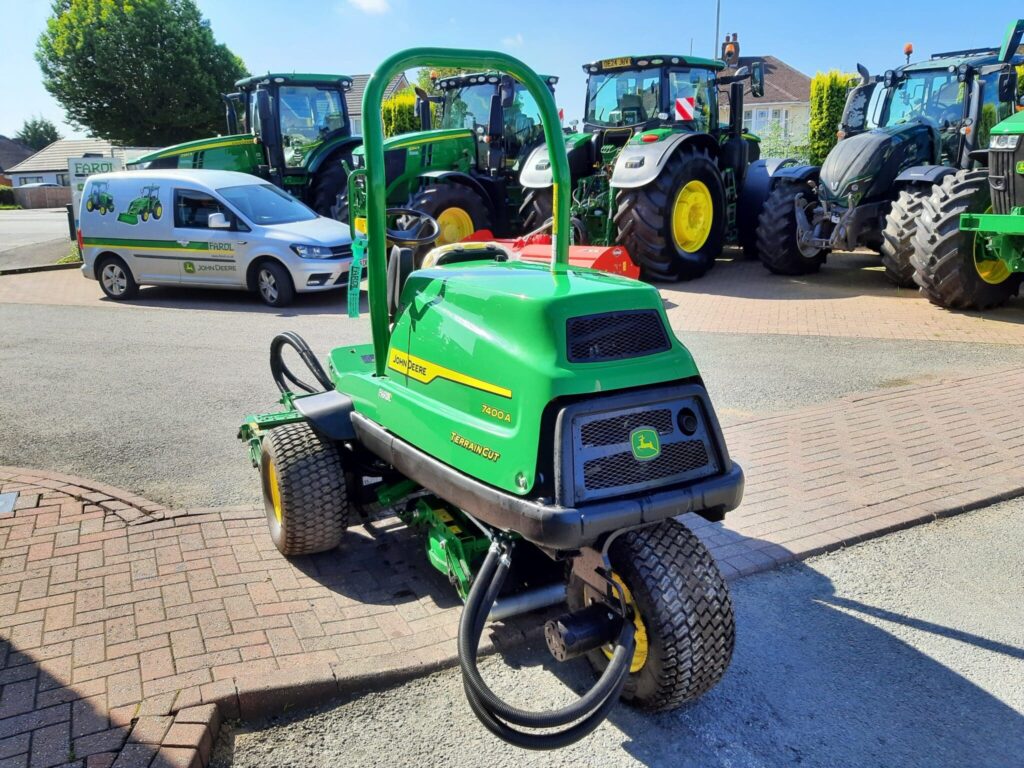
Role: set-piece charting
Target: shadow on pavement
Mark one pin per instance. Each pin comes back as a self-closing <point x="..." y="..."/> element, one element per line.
<point x="225" y="300"/>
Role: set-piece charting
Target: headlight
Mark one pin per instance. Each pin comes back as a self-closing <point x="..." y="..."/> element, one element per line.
<point x="311" y="251"/>
<point x="1004" y="141"/>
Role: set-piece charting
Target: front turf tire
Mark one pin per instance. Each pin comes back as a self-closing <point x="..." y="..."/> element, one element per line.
<point x="644" y="219"/>
<point x="304" y="492"/>
<point x="898" y="235"/>
<point x="777" y="244"/>
<point x="944" y="257"/>
<point x="685" y="610"/>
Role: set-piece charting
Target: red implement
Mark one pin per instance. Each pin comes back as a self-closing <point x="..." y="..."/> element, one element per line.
<point x="612" y="258"/>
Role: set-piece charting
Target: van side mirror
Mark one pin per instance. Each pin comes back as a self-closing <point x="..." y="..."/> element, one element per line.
<point x="757" y="79"/>
<point x="218" y="221"/>
<point x="1008" y="87"/>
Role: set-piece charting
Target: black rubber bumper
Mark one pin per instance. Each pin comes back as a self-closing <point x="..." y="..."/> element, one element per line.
<point x="551" y="526"/>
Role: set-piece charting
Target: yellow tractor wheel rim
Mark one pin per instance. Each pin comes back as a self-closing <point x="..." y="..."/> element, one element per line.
<point x="640" y="636"/>
<point x="692" y="215"/>
<point x="456" y="225"/>
<point x="990" y="268"/>
<point x="275" y="490"/>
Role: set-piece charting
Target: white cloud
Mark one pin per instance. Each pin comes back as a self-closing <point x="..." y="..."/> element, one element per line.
<point x="371" y="6"/>
<point x="513" y="41"/>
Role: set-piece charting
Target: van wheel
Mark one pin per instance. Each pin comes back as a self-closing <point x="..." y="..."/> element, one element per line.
<point x="116" y="279"/>
<point x="274" y="284"/>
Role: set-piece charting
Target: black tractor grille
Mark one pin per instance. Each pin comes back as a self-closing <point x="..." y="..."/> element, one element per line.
<point x="618" y="428"/>
<point x="615" y="336"/>
<point x="1007" y="185"/>
<point x="622" y="469"/>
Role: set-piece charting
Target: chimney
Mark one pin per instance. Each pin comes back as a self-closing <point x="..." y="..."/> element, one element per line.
<point x="731" y="49"/>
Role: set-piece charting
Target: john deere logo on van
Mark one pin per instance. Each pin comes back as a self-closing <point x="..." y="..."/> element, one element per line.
<point x="190" y="268"/>
<point x="645" y="443"/>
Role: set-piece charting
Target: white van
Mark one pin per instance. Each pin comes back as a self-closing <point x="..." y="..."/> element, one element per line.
<point x="217" y="229"/>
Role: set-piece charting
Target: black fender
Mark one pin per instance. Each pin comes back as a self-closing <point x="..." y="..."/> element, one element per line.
<point x="924" y="174"/>
<point x="464" y="179"/>
<point x="343" y="146"/>
<point x="795" y="173"/>
<point x="329" y="413"/>
<point x="757" y="186"/>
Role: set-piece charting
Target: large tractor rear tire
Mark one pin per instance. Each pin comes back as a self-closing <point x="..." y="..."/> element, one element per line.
<point x="330" y="184"/>
<point x="685" y="630"/>
<point x="304" y="490"/>
<point x="536" y="209"/>
<point x="777" y="244"/>
<point x="674" y="227"/>
<point x="459" y="211"/>
<point x="898" y="235"/>
<point x="954" y="268"/>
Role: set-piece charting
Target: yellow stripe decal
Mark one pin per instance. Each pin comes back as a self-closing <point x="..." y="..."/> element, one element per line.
<point x="425" y="372"/>
<point x="429" y="140"/>
<point x="148" y="248"/>
<point x="211" y="145"/>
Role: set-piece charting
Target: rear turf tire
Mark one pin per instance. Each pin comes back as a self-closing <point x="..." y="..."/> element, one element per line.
<point x="685" y="610"/>
<point x="777" y="244"/>
<point x="898" y="236"/>
<point x="456" y="208"/>
<point x="536" y="209"/>
<point x="304" y="492"/>
<point x="644" y="219"/>
<point x="944" y="257"/>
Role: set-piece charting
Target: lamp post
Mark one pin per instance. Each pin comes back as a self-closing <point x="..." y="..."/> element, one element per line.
<point x="718" y="23"/>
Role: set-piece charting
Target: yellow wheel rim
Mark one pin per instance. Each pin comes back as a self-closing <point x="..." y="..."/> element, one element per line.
<point x="640" y="636"/>
<point x="456" y="225"/>
<point x="88" y="205"/>
<point x="692" y="215"/>
<point x="275" y="490"/>
<point x="990" y="267"/>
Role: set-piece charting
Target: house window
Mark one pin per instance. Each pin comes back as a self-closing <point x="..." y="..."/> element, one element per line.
<point x="30" y="180"/>
<point x="746" y="120"/>
<point x="62" y="179"/>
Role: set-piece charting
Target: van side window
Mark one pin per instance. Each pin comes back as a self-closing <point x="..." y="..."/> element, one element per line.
<point x="192" y="209"/>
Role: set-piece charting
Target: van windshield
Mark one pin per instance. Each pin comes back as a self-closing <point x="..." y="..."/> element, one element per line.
<point x="266" y="204"/>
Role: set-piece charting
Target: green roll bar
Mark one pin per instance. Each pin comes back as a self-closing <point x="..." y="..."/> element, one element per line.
<point x="373" y="143"/>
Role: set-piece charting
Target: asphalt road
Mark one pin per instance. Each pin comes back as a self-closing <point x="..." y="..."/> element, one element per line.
<point x="33" y="236"/>
<point x="905" y="651"/>
<point x="149" y="397"/>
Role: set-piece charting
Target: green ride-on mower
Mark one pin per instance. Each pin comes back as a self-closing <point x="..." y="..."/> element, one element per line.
<point x="540" y="424"/>
<point x="99" y="198"/>
<point x="904" y="134"/>
<point x="142" y="207"/>
<point x="653" y="170"/>
<point x="291" y="129"/>
<point x="465" y="172"/>
<point x="969" y="247"/>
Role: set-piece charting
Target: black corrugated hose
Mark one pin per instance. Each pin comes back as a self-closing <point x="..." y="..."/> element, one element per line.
<point x="283" y="376"/>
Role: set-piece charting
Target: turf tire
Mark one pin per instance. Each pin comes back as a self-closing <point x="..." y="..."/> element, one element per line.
<point x="777" y="233"/>
<point x="312" y="490"/>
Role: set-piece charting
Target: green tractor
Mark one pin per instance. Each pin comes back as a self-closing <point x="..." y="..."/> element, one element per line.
<point x="292" y="129"/>
<point x="100" y="198"/>
<point x="903" y="134"/>
<point x="653" y="169"/>
<point x="465" y="172"/>
<point x="142" y="207"/>
<point x="541" y="426"/>
<point x="969" y="246"/>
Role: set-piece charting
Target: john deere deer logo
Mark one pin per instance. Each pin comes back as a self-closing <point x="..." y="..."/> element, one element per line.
<point x="645" y="443"/>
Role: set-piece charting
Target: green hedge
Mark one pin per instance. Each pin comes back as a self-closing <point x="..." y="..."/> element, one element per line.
<point x="399" y="114"/>
<point x="6" y="196"/>
<point x="828" y="97"/>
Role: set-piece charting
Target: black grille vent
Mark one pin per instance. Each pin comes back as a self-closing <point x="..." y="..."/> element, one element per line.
<point x="615" y="336"/>
<point x="618" y="428"/>
<point x="1007" y="185"/>
<point x="621" y="469"/>
<point x="341" y="251"/>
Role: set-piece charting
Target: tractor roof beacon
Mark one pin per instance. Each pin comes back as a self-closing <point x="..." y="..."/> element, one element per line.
<point x="292" y="129"/>
<point x="572" y="453"/>
<point x="653" y="170"/>
<point x="903" y="133"/>
<point x="465" y="172"/>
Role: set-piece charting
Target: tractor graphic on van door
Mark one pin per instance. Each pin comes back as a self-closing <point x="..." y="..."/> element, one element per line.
<point x="100" y="198"/>
<point x="142" y="207"/>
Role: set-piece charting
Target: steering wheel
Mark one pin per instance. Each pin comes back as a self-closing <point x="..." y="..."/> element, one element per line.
<point x="411" y="228"/>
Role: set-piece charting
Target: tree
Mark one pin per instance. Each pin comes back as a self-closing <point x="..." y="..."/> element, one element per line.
<point x="137" y="72"/>
<point x="424" y="81"/>
<point x="37" y="132"/>
<point x="828" y="97"/>
<point x="398" y="114"/>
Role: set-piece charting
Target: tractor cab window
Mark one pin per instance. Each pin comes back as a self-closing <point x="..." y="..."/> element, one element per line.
<point x="238" y="104"/>
<point x="934" y="96"/>
<point x="308" y="114"/>
<point x="629" y="97"/>
<point x="192" y="209"/>
<point x="523" y="127"/>
<point x="468" y="107"/>
<point x="992" y="110"/>
<point x="693" y="98"/>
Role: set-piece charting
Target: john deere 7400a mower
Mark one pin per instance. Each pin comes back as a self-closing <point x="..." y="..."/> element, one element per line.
<point x="517" y="414"/>
<point x="905" y="133"/>
<point x="653" y="170"/>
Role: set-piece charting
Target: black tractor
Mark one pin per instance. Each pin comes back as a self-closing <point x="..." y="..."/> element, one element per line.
<point x="901" y="134"/>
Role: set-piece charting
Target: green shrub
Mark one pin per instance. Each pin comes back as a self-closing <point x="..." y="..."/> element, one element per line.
<point x="399" y="114"/>
<point x="6" y="196"/>
<point x="828" y="97"/>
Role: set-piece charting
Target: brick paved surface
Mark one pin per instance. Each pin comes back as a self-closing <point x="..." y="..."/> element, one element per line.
<point x="127" y="629"/>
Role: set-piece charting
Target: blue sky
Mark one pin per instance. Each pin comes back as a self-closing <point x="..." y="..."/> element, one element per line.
<point x="353" y="36"/>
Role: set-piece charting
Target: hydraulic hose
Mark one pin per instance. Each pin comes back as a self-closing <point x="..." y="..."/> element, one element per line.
<point x="283" y="376"/>
<point x="498" y="716"/>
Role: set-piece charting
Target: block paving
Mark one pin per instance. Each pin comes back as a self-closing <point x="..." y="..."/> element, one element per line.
<point x="128" y="630"/>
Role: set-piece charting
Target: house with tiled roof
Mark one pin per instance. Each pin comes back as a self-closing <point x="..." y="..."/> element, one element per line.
<point x="50" y="164"/>
<point x="354" y="97"/>
<point x="11" y="153"/>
